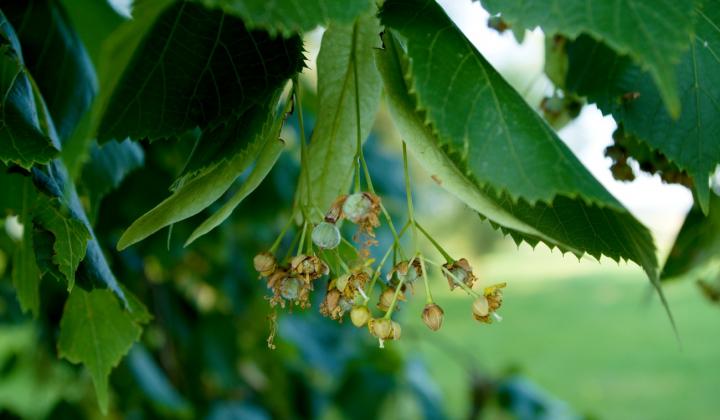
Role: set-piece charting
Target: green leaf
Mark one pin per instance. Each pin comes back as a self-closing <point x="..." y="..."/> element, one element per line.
<point x="690" y="141"/>
<point x="265" y="162"/>
<point x="108" y="166"/>
<point x="94" y="268"/>
<point x="25" y="273"/>
<point x="193" y="196"/>
<point x="56" y="58"/>
<point x="290" y="16"/>
<point x="22" y="140"/>
<point x="97" y="332"/>
<point x="570" y="222"/>
<point x="697" y="246"/>
<point x="654" y="32"/>
<point x="152" y="87"/>
<point x="344" y="103"/>
<point x="71" y="237"/>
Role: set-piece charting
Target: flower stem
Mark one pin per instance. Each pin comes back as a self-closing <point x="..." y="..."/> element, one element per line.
<point x="428" y="294"/>
<point x="303" y="143"/>
<point x="378" y="270"/>
<point x="280" y="237"/>
<point x="408" y="194"/>
<point x="437" y="246"/>
<point x="302" y="237"/>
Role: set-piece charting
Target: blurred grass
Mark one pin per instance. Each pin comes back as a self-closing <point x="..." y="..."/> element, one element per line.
<point x="590" y="334"/>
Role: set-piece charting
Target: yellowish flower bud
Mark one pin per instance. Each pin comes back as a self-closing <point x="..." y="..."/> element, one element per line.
<point x="359" y="315"/>
<point x="432" y="316"/>
<point x="481" y="307"/>
<point x="265" y="263"/>
<point x="381" y="328"/>
<point x="396" y="331"/>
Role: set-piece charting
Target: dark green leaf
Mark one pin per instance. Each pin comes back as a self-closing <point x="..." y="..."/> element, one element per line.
<point x="697" y="246"/>
<point x="56" y="58"/>
<point x="96" y="331"/>
<point x="22" y="140"/>
<point x="346" y="51"/>
<point x="691" y="141"/>
<point x="178" y="66"/>
<point x="289" y="16"/>
<point x="109" y="164"/>
<point x="654" y="32"/>
<point x="93" y="21"/>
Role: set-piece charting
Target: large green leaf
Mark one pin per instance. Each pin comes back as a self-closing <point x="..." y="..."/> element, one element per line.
<point x="345" y="52"/>
<point x="697" y="246"/>
<point x="475" y="113"/>
<point x="96" y="331"/>
<point x="289" y="16"/>
<point x="22" y="140"/>
<point x="572" y="221"/>
<point x="692" y="141"/>
<point x="56" y="58"/>
<point x="178" y="66"/>
<point x="653" y="32"/>
<point x="195" y="195"/>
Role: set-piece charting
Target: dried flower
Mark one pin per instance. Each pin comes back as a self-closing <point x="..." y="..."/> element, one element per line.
<point x="308" y="267"/>
<point x="363" y="209"/>
<point x="330" y="305"/>
<point x="432" y="316"/>
<point x="336" y="210"/>
<point x="359" y="315"/>
<point x="381" y="328"/>
<point x="265" y="263"/>
<point x="486" y="305"/>
<point x="326" y="236"/>
<point x="461" y="271"/>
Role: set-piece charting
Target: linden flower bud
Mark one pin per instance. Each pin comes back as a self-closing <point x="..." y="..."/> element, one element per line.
<point x="359" y="315"/>
<point x="381" y="328"/>
<point x="481" y="307"/>
<point x="432" y="316"/>
<point x="265" y="263"/>
<point x="326" y="236"/>
<point x="357" y="207"/>
<point x="387" y="297"/>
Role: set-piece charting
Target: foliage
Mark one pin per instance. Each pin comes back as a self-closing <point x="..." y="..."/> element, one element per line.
<point x="102" y="115"/>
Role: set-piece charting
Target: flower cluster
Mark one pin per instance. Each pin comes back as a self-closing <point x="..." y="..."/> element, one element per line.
<point x="352" y="278"/>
